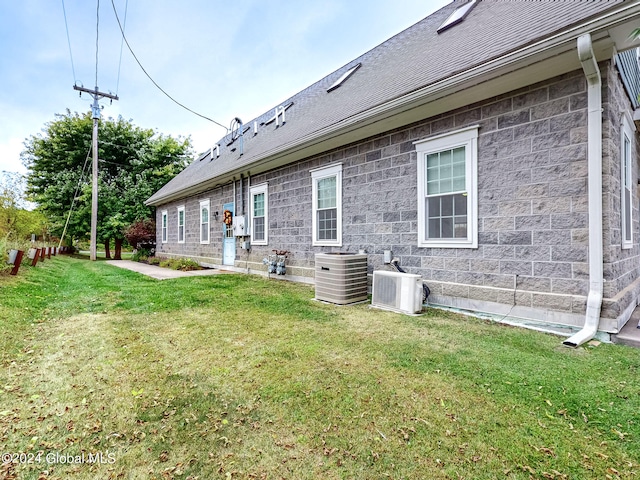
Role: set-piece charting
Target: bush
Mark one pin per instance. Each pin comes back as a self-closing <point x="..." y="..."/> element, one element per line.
<point x="141" y="233"/>
<point x="183" y="264"/>
<point x="186" y="265"/>
<point x="141" y="255"/>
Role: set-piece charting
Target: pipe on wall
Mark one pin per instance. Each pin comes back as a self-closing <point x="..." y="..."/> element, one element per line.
<point x="594" y="163"/>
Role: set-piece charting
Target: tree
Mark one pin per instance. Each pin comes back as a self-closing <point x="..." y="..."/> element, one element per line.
<point x="142" y="232"/>
<point x="17" y="219"/>
<point x="133" y="164"/>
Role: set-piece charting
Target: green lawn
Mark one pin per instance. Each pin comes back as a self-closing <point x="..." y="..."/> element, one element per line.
<point x="235" y="376"/>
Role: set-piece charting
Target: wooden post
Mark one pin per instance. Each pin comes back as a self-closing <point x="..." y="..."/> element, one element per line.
<point x="49" y="252"/>
<point x="35" y="257"/>
<point x="17" y="262"/>
<point x="42" y="254"/>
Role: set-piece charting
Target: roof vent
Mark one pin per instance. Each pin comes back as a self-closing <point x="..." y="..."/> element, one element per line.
<point x="458" y="16"/>
<point x="344" y="77"/>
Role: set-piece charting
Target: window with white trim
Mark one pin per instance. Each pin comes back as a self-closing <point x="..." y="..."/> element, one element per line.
<point x="327" y="206"/>
<point x="165" y="225"/>
<point x="181" y="224"/>
<point x="626" y="182"/>
<point x="204" y="221"/>
<point x="259" y="202"/>
<point x="447" y="190"/>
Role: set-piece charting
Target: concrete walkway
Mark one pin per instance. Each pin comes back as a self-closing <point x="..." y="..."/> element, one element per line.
<point x="160" y="273"/>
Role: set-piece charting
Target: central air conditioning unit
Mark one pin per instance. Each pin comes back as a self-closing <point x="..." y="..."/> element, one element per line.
<point x="400" y="292"/>
<point x="341" y="278"/>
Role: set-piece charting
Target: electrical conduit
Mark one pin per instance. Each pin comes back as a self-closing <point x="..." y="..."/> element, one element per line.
<point x="594" y="161"/>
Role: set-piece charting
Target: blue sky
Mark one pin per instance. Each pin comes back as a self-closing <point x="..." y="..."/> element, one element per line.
<point x="222" y="59"/>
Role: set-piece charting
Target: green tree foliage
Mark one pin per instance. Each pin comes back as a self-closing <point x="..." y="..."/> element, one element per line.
<point x="17" y="221"/>
<point x="134" y="163"/>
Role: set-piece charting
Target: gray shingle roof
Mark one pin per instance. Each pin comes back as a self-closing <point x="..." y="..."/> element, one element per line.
<point x="412" y="59"/>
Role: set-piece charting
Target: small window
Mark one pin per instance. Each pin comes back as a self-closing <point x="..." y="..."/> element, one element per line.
<point x="204" y="221"/>
<point x="344" y="77"/>
<point x="457" y="16"/>
<point x="259" y="214"/>
<point x="626" y="182"/>
<point x="165" y="223"/>
<point x="447" y="190"/>
<point x="181" y="224"/>
<point x="327" y="206"/>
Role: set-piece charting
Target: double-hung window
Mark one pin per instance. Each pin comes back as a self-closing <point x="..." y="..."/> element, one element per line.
<point x="259" y="214"/>
<point x="204" y="221"/>
<point x="626" y="182"/>
<point x="327" y="206"/>
<point x="181" y="224"/>
<point x="447" y="190"/>
<point x="165" y="224"/>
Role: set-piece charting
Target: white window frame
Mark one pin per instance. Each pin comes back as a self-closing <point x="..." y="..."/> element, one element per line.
<point x="164" y="226"/>
<point x="253" y="191"/>
<point x="468" y="138"/>
<point x="205" y="205"/>
<point x="181" y="228"/>
<point x="627" y="128"/>
<point x="317" y="175"/>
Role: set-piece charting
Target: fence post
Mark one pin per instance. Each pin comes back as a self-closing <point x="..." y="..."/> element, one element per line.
<point x="42" y="254"/>
<point x="36" y="256"/>
<point x="17" y="262"/>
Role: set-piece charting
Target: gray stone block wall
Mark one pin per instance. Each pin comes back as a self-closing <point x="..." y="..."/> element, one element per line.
<point x="532" y="202"/>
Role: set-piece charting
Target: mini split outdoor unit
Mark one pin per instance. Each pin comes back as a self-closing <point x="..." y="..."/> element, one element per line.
<point x="400" y="292"/>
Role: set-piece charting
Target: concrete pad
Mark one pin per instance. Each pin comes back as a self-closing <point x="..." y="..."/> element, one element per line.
<point x="629" y="334"/>
<point x="160" y="273"/>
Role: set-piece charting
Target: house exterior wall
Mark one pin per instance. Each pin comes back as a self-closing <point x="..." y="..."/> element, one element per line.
<point x="532" y="255"/>
<point x="621" y="266"/>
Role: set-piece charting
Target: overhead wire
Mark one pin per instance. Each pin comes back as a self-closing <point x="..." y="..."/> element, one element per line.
<point x="75" y="195"/>
<point x="66" y="25"/>
<point x="152" y="80"/>
<point x="126" y="8"/>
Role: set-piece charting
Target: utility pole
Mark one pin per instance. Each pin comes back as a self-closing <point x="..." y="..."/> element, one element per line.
<point x="95" y="114"/>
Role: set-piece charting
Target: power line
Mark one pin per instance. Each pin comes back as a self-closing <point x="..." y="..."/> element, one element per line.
<point x="126" y="8"/>
<point x="66" y="25"/>
<point x="152" y="80"/>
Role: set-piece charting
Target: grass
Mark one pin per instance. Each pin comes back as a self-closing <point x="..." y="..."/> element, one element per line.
<point x="235" y="376"/>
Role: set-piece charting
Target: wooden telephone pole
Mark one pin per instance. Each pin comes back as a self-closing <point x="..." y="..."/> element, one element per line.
<point x="95" y="110"/>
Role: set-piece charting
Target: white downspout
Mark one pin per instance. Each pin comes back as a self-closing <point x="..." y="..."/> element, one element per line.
<point x="594" y="123"/>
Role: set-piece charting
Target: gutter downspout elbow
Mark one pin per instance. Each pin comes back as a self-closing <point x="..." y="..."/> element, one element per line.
<point x="594" y="162"/>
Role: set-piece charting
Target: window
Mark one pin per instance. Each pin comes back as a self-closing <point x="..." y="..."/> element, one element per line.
<point x="181" y="224"/>
<point x="165" y="235"/>
<point x="327" y="205"/>
<point x="457" y="16"/>
<point x="344" y="77"/>
<point x="626" y="182"/>
<point x="259" y="214"/>
<point x="447" y="190"/>
<point x="204" y="221"/>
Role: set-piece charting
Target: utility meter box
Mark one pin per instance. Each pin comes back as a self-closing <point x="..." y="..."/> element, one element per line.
<point x="240" y="228"/>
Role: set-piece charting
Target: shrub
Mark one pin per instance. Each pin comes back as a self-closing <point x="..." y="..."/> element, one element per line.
<point x="183" y="264"/>
<point x="141" y="255"/>
<point x="165" y="263"/>
<point x="141" y="232"/>
<point x="186" y="265"/>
